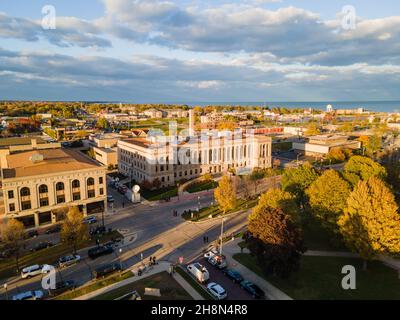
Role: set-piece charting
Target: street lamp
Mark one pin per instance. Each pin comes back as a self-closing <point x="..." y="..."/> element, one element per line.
<point x="222" y="232"/>
<point x="5" y="288"/>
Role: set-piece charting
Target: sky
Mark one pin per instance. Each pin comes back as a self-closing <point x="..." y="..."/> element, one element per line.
<point x="189" y="51"/>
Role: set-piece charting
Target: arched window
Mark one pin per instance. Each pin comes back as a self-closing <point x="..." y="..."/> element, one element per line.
<point x="90" y="182"/>
<point x="43" y="189"/>
<point x="60" y="186"/>
<point x="25" y="192"/>
<point x="76" y="184"/>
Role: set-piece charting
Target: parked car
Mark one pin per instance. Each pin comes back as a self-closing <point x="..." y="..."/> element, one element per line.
<point x="54" y="229"/>
<point x="98" y="230"/>
<point x="35" y="270"/>
<point x="199" y="272"/>
<point x="31" y="234"/>
<point x="110" y="199"/>
<point x="218" y="261"/>
<point x="29" y="295"/>
<point x="41" y="246"/>
<point x="253" y="289"/>
<point x="90" y="220"/>
<point x="67" y="261"/>
<point x="7" y="253"/>
<point x="233" y="275"/>
<point x="211" y="253"/>
<point x="105" y="270"/>
<point x="217" y="291"/>
<point x="62" y="287"/>
<point x="94" y="253"/>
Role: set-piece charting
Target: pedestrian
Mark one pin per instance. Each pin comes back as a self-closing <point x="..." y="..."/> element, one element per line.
<point x="154" y="260"/>
<point x="151" y="260"/>
<point x="123" y="204"/>
<point x="204" y="239"/>
<point x="207" y="239"/>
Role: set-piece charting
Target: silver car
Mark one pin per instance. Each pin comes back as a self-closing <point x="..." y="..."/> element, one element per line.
<point x="29" y="295"/>
<point x="67" y="261"/>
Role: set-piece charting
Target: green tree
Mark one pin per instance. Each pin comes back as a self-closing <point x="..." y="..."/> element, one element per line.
<point x="277" y="199"/>
<point x="225" y="194"/>
<point x="102" y="123"/>
<point x="297" y="180"/>
<point x="73" y="230"/>
<point x="327" y="197"/>
<point x="361" y="168"/>
<point x="370" y="224"/>
<point x="12" y="235"/>
<point x="275" y="240"/>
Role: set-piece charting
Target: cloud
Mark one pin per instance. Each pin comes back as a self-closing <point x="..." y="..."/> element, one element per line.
<point x="151" y="78"/>
<point x="69" y="32"/>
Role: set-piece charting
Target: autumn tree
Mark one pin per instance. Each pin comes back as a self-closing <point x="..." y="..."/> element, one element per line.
<point x="336" y="155"/>
<point x="276" y="198"/>
<point x="12" y="235"/>
<point x="275" y="240"/>
<point x="102" y="123"/>
<point x="362" y="168"/>
<point x="327" y="197"/>
<point x="73" y="230"/>
<point x="297" y="180"/>
<point x="370" y="224"/>
<point x="225" y="194"/>
<point x="313" y="129"/>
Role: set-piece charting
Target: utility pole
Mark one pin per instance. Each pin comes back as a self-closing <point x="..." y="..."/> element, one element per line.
<point x="222" y="232"/>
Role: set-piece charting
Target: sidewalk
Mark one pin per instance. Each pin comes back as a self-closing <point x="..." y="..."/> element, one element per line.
<point x="271" y="292"/>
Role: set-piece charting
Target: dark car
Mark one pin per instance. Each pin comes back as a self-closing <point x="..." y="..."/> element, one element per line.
<point x="62" y="287"/>
<point x="253" y="289"/>
<point x="31" y="234"/>
<point x="99" y="251"/>
<point x="233" y="275"/>
<point x="98" y="230"/>
<point x="41" y="246"/>
<point x="54" y="229"/>
<point x="106" y="269"/>
<point x="7" y="253"/>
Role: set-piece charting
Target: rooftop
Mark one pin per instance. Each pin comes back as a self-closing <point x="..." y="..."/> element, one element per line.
<point x="54" y="161"/>
<point x="20" y="141"/>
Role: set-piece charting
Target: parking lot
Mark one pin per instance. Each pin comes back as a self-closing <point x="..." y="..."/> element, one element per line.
<point x="235" y="292"/>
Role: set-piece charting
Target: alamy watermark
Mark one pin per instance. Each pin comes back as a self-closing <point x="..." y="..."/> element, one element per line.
<point x="349" y="280"/>
<point x="349" y="17"/>
<point x="49" y="19"/>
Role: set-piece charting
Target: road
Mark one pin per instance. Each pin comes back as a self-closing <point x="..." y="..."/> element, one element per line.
<point x="156" y="231"/>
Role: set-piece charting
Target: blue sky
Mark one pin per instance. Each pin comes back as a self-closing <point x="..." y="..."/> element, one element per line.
<point x="188" y="51"/>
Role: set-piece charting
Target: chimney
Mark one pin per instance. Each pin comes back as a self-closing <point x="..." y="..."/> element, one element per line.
<point x="191" y="122"/>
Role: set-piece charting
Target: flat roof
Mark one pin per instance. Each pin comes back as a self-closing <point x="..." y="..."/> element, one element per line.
<point x="19" y="141"/>
<point x="54" y="161"/>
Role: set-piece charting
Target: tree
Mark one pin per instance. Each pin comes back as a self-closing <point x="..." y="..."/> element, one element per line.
<point x="278" y="199"/>
<point x="102" y="123"/>
<point x="12" y="234"/>
<point x="371" y="144"/>
<point x="362" y="168"/>
<point x="336" y="155"/>
<point x="297" y="180"/>
<point x="255" y="176"/>
<point x="312" y="129"/>
<point x="225" y="194"/>
<point x="370" y="223"/>
<point x="73" y="230"/>
<point x="275" y="241"/>
<point x="327" y="197"/>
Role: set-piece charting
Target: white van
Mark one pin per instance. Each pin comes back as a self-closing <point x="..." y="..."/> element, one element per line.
<point x="35" y="270"/>
<point x="199" y="272"/>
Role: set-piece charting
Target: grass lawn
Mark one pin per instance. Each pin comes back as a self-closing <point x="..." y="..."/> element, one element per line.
<point x="46" y="256"/>
<point x="201" y="186"/>
<point x="214" y="211"/>
<point x="169" y="288"/>
<point x="160" y="194"/>
<point x="194" y="284"/>
<point x="95" y="286"/>
<point x="282" y="146"/>
<point x="320" y="278"/>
